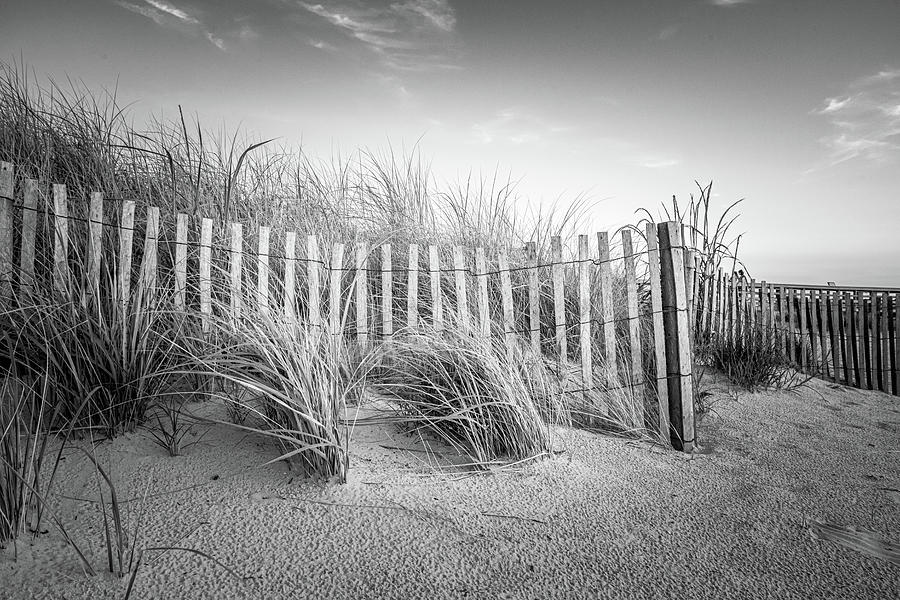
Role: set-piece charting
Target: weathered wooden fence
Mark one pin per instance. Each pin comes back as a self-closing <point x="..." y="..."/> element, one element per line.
<point x="566" y="308"/>
<point x="845" y="334"/>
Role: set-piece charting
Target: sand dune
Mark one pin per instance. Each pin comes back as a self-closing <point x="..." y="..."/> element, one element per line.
<point x="603" y="518"/>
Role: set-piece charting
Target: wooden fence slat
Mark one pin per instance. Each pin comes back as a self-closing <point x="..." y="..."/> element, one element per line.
<point x="290" y="277"/>
<point x="763" y="314"/>
<point x="181" y="238"/>
<point x="7" y="190"/>
<point x="870" y="342"/>
<point x="559" y="298"/>
<point x="29" y="231"/>
<point x="815" y="360"/>
<point x="833" y="335"/>
<point x="752" y="315"/>
<point x="885" y="361"/>
<point x="94" y="246"/>
<point x="362" y="294"/>
<point x="862" y="340"/>
<point x="584" y="312"/>
<point x="262" y="270"/>
<point x="206" y="231"/>
<point x="634" y="323"/>
<point x="462" y="297"/>
<point x="709" y="294"/>
<point x="534" y="297"/>
<point x="126" y="238"/>
<point x="484" y="317"/>
<point x="236" y="256"/>
<point x="313" y="280"/>
<point x="607" y="308"/>
<point x="851" y="354"/>
<point x="335" y="312"/>
<point x="412" y="288"/>
<point x="783" y="321"/>
<point x="723" y="305"/>
<point x="506" y="302"/>
<point x="804" y="333"/>
<point x="149" y="261"/>
<point x="895" y="343"/>
<point x="678" y="351"/>
<point x="434" y="272"/>
<point x="387" y="292"/>
<point x="61" y="240"/>
<point x="659" y="341"/>
<point x="732" y="307"/>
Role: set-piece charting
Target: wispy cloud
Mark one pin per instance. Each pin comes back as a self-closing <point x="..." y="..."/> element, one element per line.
<point x="515" y="125"/>
<point x="865" y="119"/>
<point x="730" y="2"/>
<point x="166" y="14"/>
<point x="668" y="32"/>
<point x="413" y="35"/>
<point x="658" y="163"/>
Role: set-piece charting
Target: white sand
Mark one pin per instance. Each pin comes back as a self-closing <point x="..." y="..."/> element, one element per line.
<point x="607" y="518"/>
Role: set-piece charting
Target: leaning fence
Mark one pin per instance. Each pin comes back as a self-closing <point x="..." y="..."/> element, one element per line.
<point x="624" y="300"/>
<point x="849" y="335"/>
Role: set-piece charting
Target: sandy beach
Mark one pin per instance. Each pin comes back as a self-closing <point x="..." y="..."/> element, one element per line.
<point x="603" y="518"/>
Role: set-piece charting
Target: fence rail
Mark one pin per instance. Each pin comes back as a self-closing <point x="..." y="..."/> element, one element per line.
<point x="848" y="335"/>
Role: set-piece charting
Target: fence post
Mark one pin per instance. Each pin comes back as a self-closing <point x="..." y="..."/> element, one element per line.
<point x="607" y="312"/>
<point x="659" y="342"/>
<point x="126" y="236"/>
<point x="559" y="298"/>
<point x="237" y="249"/>
<point x="262" y="271"/>
<point x="484" y="317"/>
<point x="335" y="318"/>
<point x="677" y="337"/>
<point x="290" y="277"/>
<point x="148" y="273"/>
<point x="412" y="288"/>
<point x="506" y="302"/>
<point x="7" y="188"/>
<point x="362" y="293"/>
<point x="314" y="288"/>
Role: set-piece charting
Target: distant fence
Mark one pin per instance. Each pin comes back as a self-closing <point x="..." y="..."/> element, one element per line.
<point x="848" y="335"/>
<point x="378" y="293"/>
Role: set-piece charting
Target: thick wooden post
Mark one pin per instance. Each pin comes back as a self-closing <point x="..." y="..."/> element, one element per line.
<point x="148" y="273"/>
<point x="678" y="351"/>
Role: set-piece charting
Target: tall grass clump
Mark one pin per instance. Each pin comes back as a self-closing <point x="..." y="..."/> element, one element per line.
<point x="292" y="380"/>
<point x="752" y="358"/>
<point x="468" y="391"/>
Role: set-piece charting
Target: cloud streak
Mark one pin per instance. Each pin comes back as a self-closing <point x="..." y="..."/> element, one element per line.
<point x="166" y="14"/>
<point x="515" y="126"/>
<point x="413" y="35"/>
<point x="865" y="119"/>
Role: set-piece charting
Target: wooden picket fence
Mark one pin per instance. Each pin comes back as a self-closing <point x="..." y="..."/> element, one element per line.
<point x="849" y="335"/>
<point x="197" y="261"/>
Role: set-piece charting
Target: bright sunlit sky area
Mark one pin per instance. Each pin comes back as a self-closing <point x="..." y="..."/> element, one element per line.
<point x="793" y="105"/>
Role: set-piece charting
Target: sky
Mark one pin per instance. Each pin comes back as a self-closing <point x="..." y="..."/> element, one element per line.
<point x="793" y="106"/>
